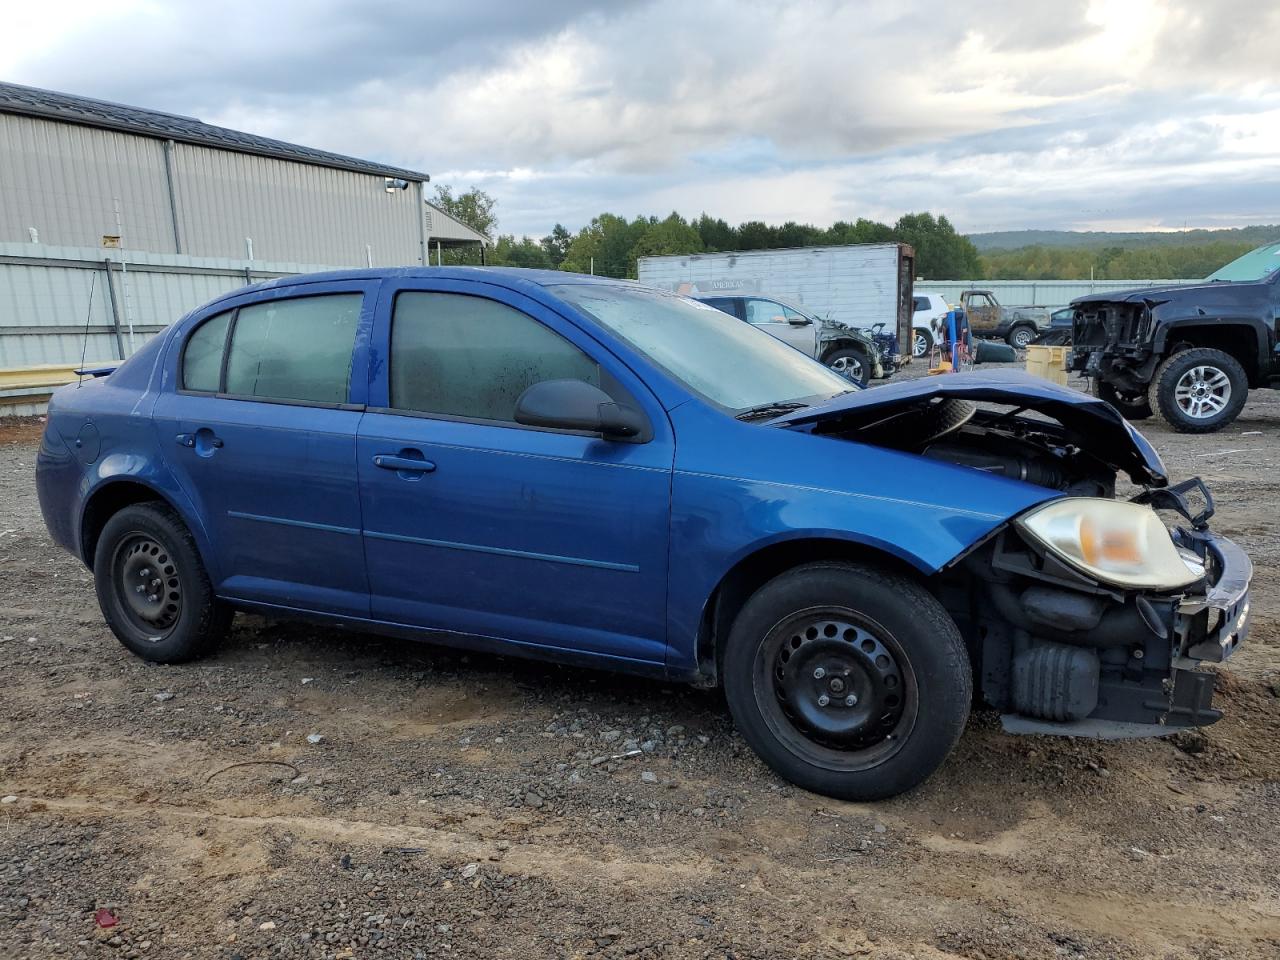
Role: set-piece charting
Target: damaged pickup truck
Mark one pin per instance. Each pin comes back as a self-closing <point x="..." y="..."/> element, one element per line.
<point x="588" y="471"/>
<point x="1190" y="352"/>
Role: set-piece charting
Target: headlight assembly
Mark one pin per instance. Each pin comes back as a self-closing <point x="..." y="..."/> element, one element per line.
<point x="1118" y="543"/>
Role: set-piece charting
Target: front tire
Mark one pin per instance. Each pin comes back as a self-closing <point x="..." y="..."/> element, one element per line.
<point x="152" y="586"/>
<point x="1132" y="406"/>
<point x="1200" y="390"/>
<point x="851" y="364"/>
<point x="847" y="680"/>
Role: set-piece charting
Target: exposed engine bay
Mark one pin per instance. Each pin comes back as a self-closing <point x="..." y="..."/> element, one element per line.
<point x="1000" y="442"/>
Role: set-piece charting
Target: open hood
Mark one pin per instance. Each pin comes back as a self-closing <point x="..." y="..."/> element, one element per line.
<point x="1090" y="423"/>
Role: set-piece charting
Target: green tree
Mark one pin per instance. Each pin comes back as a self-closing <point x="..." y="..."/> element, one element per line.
<point x="716" y="234"/>
<point x="672" y="235"/>
<point x="525" y="252"/>
<point x="556" y="244"/>
<point x="941" y="253"/>
<point x="474" y="208"/>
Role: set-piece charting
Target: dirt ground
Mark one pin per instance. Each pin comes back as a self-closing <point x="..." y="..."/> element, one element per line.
<point x="311" y="793"/>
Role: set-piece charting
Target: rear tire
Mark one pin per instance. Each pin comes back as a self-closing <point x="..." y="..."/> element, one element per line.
<point x="847" y="680"/>
<point x="851" y="364"/>
<point x="1020" y="337"/>
<point x="921" y="341"/>
<point x="1131" y="406"/>
<point x="153" y="588"/>
<point x="1200" y="390"/>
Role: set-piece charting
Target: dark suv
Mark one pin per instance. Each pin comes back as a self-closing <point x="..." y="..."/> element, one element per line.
<point x="1189" y="352"/>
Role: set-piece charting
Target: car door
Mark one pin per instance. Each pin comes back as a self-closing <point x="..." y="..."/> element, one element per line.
<point x="781" y="321"/>
<point x="476" y="524"/>
<point x="984" y="314"/>
<point x="260" y="433"/>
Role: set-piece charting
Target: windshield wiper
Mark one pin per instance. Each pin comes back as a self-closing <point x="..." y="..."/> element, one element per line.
<point x="770" y="409"/>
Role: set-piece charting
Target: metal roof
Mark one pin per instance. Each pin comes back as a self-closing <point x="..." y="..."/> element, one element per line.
<point x="51" y="105"/>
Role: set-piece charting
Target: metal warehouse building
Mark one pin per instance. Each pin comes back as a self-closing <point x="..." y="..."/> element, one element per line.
<point x="151" y="214"/>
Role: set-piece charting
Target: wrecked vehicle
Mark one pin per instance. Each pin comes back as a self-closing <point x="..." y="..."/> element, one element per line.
<point x="1192" y="353"/>
<point x="851" y="353"/>
<point x="588" y="471"/>
<point x="989" y="318"/>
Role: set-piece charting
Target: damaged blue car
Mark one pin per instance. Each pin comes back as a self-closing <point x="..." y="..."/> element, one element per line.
<point x="589" y="471"/>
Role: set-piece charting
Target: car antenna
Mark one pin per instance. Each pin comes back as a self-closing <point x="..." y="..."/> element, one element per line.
<point x="84" y="346"/>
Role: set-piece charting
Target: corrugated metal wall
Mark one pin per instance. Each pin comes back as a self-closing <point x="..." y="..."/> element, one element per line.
<point x="1036" y="293"/>
<point x="76" y="184"/>
<point x="66" y="181"/>
<point x="292" y="211"/>
<point x="45" y="299"/>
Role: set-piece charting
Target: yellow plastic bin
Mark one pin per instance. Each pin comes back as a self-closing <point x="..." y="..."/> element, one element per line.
<point x="1048" y="362"/>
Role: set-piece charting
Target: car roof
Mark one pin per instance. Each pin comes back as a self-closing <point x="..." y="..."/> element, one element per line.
<point x="512" y="277"/>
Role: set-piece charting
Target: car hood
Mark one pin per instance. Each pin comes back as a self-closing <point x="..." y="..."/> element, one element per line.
<point x="1198" y="292"/>
<point x="1096" y="425"/>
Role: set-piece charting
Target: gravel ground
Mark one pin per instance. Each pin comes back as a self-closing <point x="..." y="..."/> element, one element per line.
<point x="313" y="793"/>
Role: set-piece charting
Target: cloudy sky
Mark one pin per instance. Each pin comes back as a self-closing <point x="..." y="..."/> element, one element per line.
<point x="1002" y="114"/>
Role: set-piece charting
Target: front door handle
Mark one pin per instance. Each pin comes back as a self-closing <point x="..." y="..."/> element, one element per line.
<point x="401" y="463"/>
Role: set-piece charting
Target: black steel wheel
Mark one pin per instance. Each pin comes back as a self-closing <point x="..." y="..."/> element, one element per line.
<point x="152" y="586"/>
<point x="836" y="687"/>
<point x="147" y="584"/>
<point x="847" y="680"/>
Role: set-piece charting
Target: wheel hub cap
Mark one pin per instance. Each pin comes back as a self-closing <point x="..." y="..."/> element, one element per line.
<point x="839" y="684"/>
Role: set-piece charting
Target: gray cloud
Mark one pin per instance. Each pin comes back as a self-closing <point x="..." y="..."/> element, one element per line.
<point x="997" y="112"/>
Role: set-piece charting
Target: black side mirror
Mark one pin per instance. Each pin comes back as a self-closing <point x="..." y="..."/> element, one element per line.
<point x="577" y="405"/>
<point x="799" y="321"/>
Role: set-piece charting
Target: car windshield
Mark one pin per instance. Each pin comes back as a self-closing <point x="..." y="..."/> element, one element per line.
<point x="717" y="356"/>
<point x="1254" y="265"/>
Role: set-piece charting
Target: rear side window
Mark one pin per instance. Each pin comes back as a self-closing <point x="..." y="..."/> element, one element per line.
<point x="296" y="349"/>
<point x="202" y="359"/>
<point x="465" y="356"/>
<point x="920" y="303"/>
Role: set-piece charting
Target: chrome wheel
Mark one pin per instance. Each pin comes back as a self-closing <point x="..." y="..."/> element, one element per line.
<point x="919" y="345"/>
<point x="147" y="584"/>
<point x="1022" y="337"/>
<point x="836" y="688"/>
<point x="1202" y="392"/>
<point x="849" y="367"/>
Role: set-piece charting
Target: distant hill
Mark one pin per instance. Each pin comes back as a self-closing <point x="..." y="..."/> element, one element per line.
<point x="1096" y="239"/>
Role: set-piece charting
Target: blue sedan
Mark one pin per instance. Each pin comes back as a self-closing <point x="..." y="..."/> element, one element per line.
<point x="591" y="471"/>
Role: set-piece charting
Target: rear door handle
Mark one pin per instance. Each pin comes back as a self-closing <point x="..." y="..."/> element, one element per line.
<point x="392" y="461"/>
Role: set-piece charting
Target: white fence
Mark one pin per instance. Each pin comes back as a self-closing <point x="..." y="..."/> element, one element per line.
<point x="1036" y="293"/>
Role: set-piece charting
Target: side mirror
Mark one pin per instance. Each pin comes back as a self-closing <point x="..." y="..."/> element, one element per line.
<point x="577" y="405"/>
<point x="799" y="321"/>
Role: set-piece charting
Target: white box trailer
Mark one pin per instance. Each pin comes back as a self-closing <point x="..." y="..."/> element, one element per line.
<point x="860" y="284"/>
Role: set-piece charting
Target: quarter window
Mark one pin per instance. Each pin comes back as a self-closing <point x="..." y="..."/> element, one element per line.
<point x="466" y="356"/>
<point x="202" y="358"/>
<point x="294" y="349"/>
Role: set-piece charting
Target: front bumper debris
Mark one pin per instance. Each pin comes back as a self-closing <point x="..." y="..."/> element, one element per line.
<point x="1155" y="686"/>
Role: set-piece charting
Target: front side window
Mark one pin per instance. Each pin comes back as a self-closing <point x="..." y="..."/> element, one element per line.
<point x="296" y="349"/>
<point x="465" y="356"/>
<point x="730" y="363"/>
<point x="766" y="311"/>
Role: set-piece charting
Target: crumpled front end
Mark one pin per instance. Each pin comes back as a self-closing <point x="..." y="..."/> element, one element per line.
<point x="1061" y="653"/>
